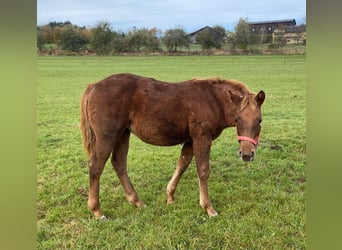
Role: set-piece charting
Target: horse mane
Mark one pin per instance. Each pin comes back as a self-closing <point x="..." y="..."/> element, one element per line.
<point x="235" y="85"/>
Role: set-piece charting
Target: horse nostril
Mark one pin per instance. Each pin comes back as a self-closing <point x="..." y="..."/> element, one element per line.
<point x="252" y="156"/>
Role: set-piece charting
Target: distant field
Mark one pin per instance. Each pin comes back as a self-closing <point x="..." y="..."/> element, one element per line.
<point x="261" y="205"/>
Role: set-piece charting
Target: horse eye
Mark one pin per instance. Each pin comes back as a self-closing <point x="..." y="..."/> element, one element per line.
<point x="237" y="119"/>
<point x="260" y="121"/>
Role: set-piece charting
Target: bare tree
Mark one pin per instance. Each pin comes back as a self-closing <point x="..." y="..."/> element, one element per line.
<point x="242" y="33"/>
<point x="175" y="38"/>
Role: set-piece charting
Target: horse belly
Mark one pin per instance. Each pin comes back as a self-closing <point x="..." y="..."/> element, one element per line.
<point x="163" y="134"/>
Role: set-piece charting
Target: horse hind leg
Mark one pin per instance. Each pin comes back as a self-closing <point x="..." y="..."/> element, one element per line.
<point x="97" y="162"/>
<point x="182" y="165"/>
<point x="119" y="162"/>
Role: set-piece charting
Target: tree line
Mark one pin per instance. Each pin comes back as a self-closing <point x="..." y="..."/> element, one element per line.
<point x="102" y="39"/>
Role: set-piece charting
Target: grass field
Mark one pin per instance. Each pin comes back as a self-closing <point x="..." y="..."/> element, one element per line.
<point x="261" y="205"/>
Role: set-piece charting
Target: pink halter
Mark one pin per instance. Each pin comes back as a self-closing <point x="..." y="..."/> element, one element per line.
<point x="249" y="139"/>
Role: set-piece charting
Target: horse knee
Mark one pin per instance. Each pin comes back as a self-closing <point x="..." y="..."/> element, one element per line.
<point x="203" y="174"/>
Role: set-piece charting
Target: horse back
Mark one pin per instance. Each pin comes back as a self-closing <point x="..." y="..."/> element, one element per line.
<point x="159" y="113"/>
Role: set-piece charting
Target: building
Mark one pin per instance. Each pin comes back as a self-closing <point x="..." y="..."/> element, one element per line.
<point x="269" y="26"/>
<point x="290" y="35"/>
<point x="279" y="30"/>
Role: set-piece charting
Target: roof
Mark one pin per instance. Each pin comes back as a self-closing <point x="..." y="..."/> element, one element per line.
<point x="274" y="21"/>
<point x="193" y="33"/>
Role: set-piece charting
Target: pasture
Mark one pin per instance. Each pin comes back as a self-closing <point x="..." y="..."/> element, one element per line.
<point x="261" y="205"/>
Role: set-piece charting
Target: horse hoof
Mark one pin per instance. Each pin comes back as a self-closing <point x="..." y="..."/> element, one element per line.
<point x="170" y="199"/>
<point x="103" y="218"/>
<point x="169" y="202"/>
<point x="212" y="213"/>
<point x="140" y="204"/>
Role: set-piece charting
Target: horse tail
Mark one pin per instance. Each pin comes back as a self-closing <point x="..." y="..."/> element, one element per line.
<point x="88" y="134"/>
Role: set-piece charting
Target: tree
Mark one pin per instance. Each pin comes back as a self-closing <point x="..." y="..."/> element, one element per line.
<point x="119" y="42"/>
<point x="143" y="39"/>
<point x="175" y="38"/>
<point x="41" y="38"/>
<point x="102" y="41"/>
<point x="63" y="35"/>
<point x="219" y="34"/>
<point x="206" y="39"/>
<point x="72" y="39"/>
<point x="242" y="34"/>
<point x="280" y="41"/>
<point x="211" y="37"/>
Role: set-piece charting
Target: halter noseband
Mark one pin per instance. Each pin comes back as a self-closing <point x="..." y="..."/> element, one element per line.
<point x="249" y="139"/>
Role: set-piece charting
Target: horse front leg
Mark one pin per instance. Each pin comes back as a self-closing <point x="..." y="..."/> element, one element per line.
<point x="202" y="154"/>
<point x="183" y="163"/>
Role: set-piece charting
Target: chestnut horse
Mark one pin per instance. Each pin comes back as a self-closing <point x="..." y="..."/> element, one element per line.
<point x="192" y="113"/>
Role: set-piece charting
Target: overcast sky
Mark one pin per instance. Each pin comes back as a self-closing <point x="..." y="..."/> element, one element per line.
<point x="167" y="14"/>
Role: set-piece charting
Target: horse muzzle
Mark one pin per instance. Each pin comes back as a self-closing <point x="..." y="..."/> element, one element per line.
<point x="248" y="147"/>
<point x="247" y="157"/>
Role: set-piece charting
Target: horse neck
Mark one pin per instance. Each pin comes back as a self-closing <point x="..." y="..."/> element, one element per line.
<point x="230" y="115"/>
<point x="230" y="109"/>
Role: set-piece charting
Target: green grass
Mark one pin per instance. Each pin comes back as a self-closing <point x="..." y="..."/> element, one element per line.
<point x="261" y="205"/>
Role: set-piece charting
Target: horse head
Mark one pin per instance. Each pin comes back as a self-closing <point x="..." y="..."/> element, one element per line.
<point x="248" y="124"/>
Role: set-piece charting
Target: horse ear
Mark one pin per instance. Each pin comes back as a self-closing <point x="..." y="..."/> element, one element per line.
<point x="236" y="98"/>
<point x="260" y="97"/>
